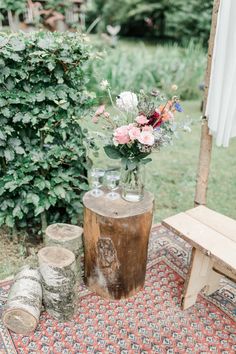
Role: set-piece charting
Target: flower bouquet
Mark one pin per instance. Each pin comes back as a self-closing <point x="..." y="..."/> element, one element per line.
<point x="144" y="123"/>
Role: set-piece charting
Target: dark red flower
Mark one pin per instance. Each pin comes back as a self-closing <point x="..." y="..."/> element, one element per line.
<point x="155" y="120"/>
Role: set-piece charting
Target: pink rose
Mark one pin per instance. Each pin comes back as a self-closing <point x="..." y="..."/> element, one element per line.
<point x="146" y="138"/>
<point x="142" y="119"/>
<point x="147" y="128"/>
<point x="130" y="126"/>
<point x="121" y="135"/>
<point x="134" y="133"/>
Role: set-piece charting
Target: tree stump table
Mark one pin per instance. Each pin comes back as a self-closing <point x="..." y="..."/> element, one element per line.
<point x="116" y="234"/>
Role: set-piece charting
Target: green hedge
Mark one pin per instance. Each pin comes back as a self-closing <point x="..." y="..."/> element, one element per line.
<point x="42" y="152"/>
<point x="16" y="6"/>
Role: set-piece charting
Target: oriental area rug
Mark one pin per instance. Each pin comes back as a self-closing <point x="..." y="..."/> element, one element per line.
<point x="149" y="322"/>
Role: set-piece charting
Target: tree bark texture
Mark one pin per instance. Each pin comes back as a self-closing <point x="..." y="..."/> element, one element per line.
<point x="22" y="311"/>
<point x="116" y="235"/>
<point x="57" y="266"/>
<point x="69" y="237"/>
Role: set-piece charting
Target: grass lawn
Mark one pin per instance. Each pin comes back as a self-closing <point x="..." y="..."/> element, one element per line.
<point x="171" y="176"/>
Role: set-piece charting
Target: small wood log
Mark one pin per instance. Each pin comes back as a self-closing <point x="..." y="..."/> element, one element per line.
<point x="65" y="235"/>
<point x="22" y="311"/>
<point x="57" y="266"/>
<point x="70" y="237"/>
<point x="116" y="235"/>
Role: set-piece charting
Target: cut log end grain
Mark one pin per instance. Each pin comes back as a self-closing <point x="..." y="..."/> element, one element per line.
<point x="57" y="257"/>
<point x="63" y="231"/>
<point x="65" y="235"/>
<point x="22" y="310"/>
<point x="20" y="321"/>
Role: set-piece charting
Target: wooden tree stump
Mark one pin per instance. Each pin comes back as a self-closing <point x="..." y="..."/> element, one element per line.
<point x="22" y="311"/>
<point x="116" y="234"/>
<point x="67" y="236"/>
<point x="58" y="270"/>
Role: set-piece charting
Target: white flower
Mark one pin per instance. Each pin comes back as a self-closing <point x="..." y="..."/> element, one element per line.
<point x="104" y="84"/>
<point x="127" y="101"/>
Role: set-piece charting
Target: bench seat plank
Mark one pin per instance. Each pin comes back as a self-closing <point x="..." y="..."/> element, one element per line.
<point x="218" y="222"/>
<point x="203" y="237"/>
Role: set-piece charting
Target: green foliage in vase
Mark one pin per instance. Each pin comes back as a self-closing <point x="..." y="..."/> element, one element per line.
<point x="42" y="153"/>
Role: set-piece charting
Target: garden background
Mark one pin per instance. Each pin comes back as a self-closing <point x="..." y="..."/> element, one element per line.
<point x="134" y="44"/>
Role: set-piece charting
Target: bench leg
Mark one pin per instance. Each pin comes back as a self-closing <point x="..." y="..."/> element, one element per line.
<point x="200" y="275"/>
<point x="213" y="282"/>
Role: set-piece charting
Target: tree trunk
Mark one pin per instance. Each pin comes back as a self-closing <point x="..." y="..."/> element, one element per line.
<point x="13" y="20"/>
<point x="206" y="138"/>
<point x="70" y="237"/>
<point x="24" y="302"/>
<point x="58" y="270"/>
<point x="116" y="235"/>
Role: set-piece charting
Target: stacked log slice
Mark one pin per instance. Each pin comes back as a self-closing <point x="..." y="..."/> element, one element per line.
<point x="57" y="266"/>
<point x="67" y="236"/>
<point x="22" y="311"/>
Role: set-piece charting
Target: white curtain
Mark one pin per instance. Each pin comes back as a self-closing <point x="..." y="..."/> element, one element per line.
<point x="221" y="104"/>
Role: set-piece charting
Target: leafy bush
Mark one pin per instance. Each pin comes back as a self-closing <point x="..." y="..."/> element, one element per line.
<point x="20" y="6"/>
<point x="16" y="6"/>
<point x="173" y="19"/>
<point x="10" y="10"/>
<point x="191" y="19"/>
<point x="42" y="155"/>
<point x="146" y="67"/>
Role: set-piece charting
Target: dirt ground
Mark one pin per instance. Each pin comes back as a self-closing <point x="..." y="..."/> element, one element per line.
<point x="15" y="253"/>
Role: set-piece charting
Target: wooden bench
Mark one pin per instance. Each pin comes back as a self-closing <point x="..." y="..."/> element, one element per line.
<point x="213" y="237"/>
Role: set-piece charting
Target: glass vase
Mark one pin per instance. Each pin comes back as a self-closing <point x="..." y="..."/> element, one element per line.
<point x="132" y="183"/>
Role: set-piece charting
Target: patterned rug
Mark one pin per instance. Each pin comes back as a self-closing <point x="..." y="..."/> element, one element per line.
<point x="149" y="322"/>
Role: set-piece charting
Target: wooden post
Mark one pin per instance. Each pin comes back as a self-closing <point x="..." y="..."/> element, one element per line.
<point x="22" y="310"/>
<point x="58" y="270"/>
<point x="116" y="235"/>
<point x="206" y="138"/>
